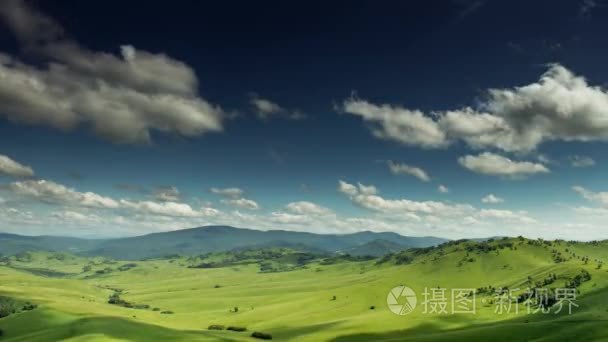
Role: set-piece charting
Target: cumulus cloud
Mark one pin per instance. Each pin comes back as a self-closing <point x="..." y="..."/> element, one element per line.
<point x="410" y="127"/>
<point x="243" y="203"/>
<point x="234" y="197"/>
<point x="497" y="165"/>
<point x="404" y="169"/>
<point x="167" y="194"/>
<point x="433" y="213"/>
<point x="123" y="98"/>
<point x="492" y="199"/>
<point x="520" y="216"/>
<point x="559" y="106"/>
<point x="266" y="109"/>
<point x="599" y="197"/>
<point x="71" y="216"/>
<point x="363" y="197"/>
<point x="12" y="168"/>
<point x="443" y="189"/>
<point x="51" y="192"/>
<point x="307" y="208"/>
<point x="168" y="208"/>
<point x="581" y="161"/>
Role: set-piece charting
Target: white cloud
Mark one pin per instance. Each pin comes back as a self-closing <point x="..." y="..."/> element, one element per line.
<point x="599" y="197"/>
<point x="307" y="208"/>
<point x="404" y="169"/>
<point x="581" y="161"/>
<point x="410" y="127"/>
<point x="587" y="211"/>
<point x="51" y="192"/>
<point x="492" y="199"/>
<point x="497" y="165"/>
<point x="70" y="216"/>
<point x="167" y="194"/>
<point x="12" y="168"/>
<point x="443" y="189"/>
<point x="347" y="188"/>
<point x="243" y="203"/>
<point x="168" y="208"/>
<point x="520" y="216"/>
<point x="266" y="109"/>
<point x="234" y="197"/>
<point x="559" y="106"/>
<point x="227" y="192"/>
<point x="123" y="98"/>
<point x="361" y="196"/>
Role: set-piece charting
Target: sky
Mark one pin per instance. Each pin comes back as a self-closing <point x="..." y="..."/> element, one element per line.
<point x="458" y="119"/>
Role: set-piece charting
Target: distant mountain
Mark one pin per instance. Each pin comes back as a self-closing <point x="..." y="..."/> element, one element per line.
<point x="13" y="244"/>
<point x="205" y="239"/>
<point x="375" y="248"/>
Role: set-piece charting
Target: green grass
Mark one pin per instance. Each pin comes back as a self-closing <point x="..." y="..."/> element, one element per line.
<point x="297" y="305"/>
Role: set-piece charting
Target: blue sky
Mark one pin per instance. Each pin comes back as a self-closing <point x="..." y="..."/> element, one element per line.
<point x="309" y="117"/>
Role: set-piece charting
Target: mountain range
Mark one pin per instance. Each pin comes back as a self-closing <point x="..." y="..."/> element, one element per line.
<point x="207" y="239"/>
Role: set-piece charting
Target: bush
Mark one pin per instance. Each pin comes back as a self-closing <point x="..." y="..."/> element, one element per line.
<point x="167" y="312"/>
<point x="373" y="307"/>
<point x="261" y="335"/>
<point x="156" y="309"/>
<point x="127" y="267"/>
<point x="29" y="306"/>
<point x="216" y="327"/>
<point x="236" y="328"/>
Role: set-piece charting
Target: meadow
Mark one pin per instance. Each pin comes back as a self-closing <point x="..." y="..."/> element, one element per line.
<point x="295" y="296"/>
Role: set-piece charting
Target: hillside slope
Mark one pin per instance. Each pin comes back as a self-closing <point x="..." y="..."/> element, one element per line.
<point x="340" y="301"/>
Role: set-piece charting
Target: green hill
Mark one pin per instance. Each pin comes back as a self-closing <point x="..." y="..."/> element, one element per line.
<point x="377" y="247"/>
<point x="321" y="299"/>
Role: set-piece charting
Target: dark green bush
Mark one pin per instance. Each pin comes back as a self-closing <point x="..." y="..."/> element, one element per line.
<point x="167" y="312"/>
<point x="232" y="328"/>
<point x="261" y="335"/>
<point x="216" y="327"/>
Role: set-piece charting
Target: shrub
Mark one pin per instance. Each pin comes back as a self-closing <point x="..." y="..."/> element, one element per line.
<point x="216" y="327"/>
<point x="167" y="312"/>
<point x="403" y="259"/>
<point x="261" y="335"/>
<point x="156" y="309"/>
<point x="373" y="307"/>
<point x="127" y="267"/>
<point x="29" y="306"/>
<point x="236" y="328"/>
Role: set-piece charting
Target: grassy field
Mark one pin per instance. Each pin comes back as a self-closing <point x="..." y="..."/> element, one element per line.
<point x="335" y="300"/>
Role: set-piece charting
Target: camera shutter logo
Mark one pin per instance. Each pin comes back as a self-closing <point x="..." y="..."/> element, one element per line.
<point x="401" y="300"/>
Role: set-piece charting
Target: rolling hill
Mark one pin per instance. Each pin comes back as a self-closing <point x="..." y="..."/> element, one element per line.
<point x="164" y="299"/>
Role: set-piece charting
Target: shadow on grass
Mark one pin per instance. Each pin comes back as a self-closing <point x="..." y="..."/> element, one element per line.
<point x="288" y="333"/>
<point x="46" y="325"/>
<point x="524" y="328"/>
